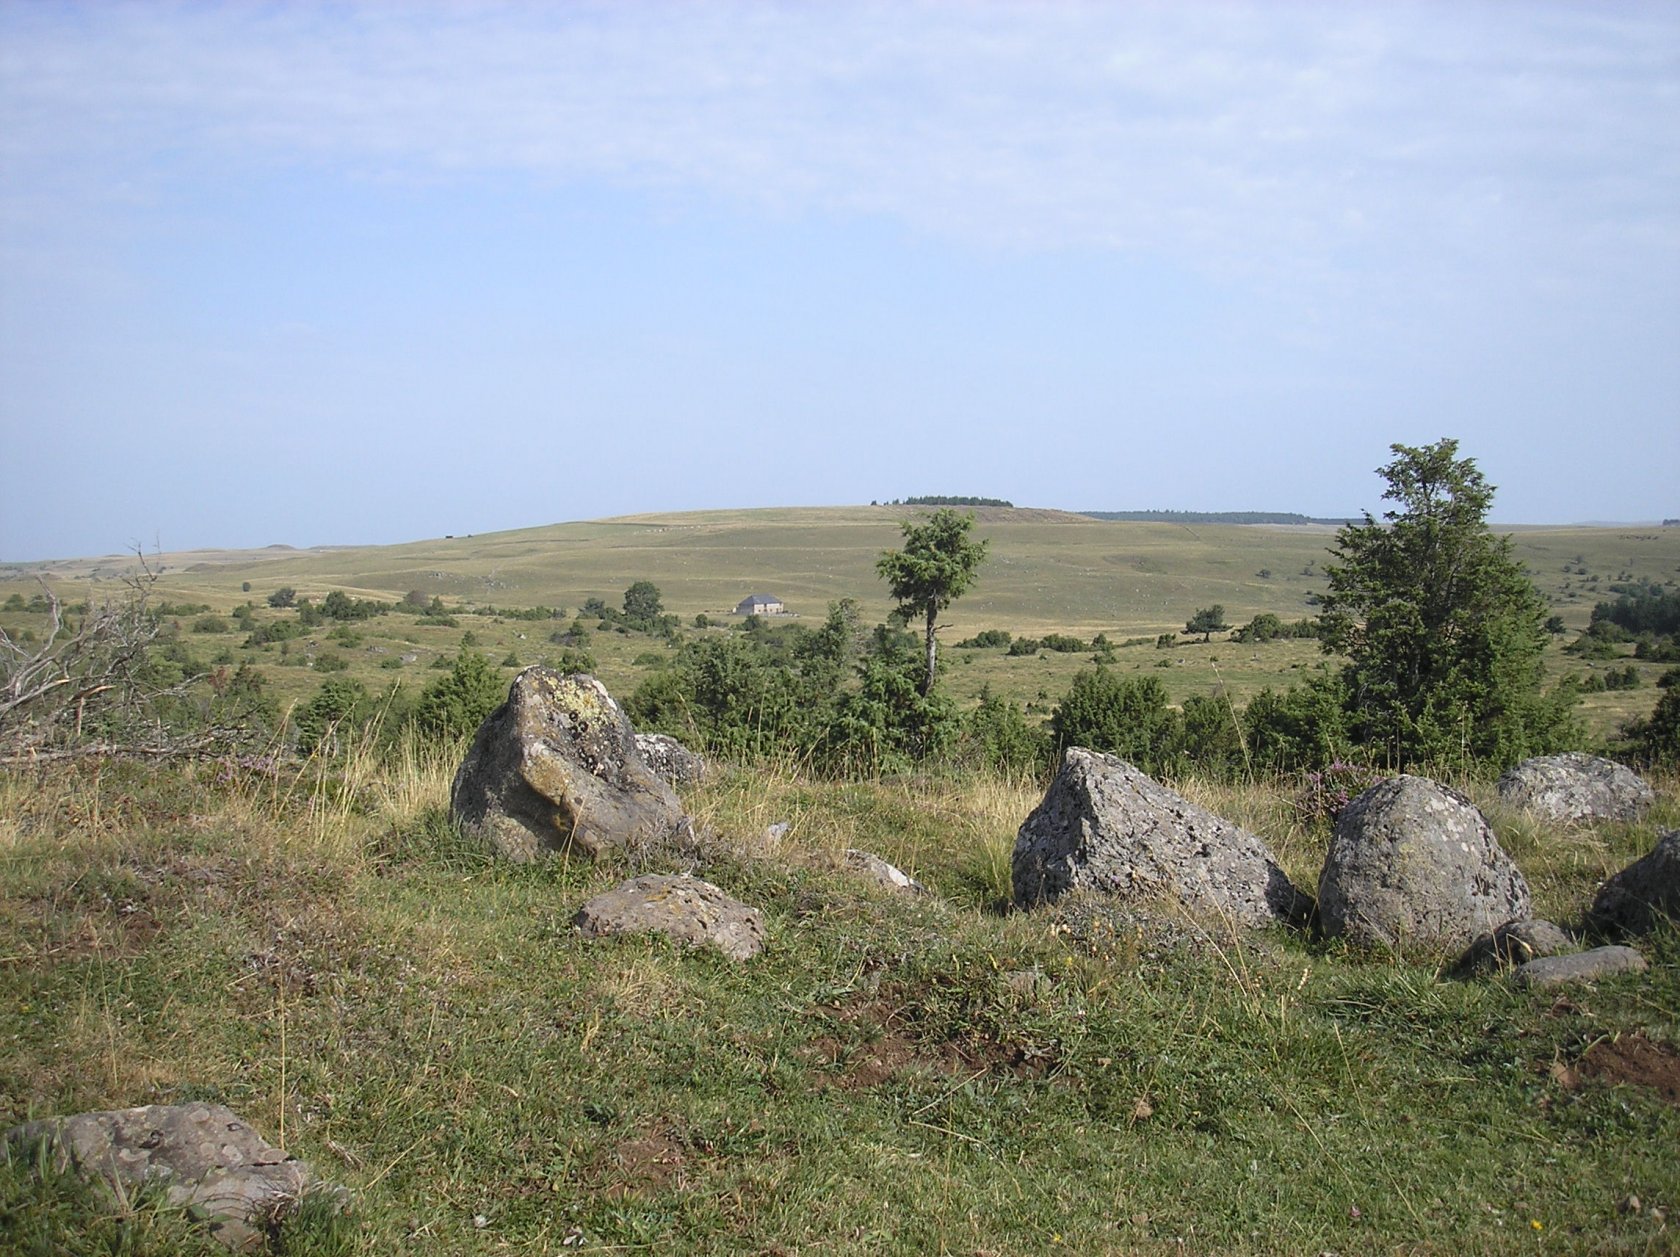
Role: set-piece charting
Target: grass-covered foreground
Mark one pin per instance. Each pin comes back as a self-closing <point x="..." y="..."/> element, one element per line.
<point x="891" y="1075"/>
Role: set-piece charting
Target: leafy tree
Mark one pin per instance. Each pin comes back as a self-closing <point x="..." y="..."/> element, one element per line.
<point x="936" y="566"/>
<point x="338" y="707"/>
<point x="1304" y="727"/>
<point x="285" y="596"/>
<point x="1656" y="740"/>
<point x="1207" y="621"/>
<point x="642" y="605"/>
<point x="1442" y="629"/>
<point x="1264" y="627"/>
<point x="998" y="734"/>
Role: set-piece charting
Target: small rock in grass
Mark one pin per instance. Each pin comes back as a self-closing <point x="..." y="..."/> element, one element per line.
<point x="1514" y="943"/>
<point x="882" y="873"/>
<point x="683" y="908"/>
<point x="1581" y="966"/>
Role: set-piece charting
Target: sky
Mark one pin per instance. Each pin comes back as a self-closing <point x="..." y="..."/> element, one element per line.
<point x="342" y="273"/>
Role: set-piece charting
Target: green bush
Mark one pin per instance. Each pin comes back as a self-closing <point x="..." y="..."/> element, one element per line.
<point x="454" y="706"/>
<point x="1124" y="716"/>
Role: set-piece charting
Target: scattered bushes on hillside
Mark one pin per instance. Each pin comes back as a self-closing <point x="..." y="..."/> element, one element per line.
<point x="985" y="640"/>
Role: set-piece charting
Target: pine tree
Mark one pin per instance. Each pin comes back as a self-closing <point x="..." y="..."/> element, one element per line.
<point x="1442" y="628"/>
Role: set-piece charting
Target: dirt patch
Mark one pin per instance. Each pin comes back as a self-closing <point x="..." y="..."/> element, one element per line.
<point x="1632" y="1058"/>
<point x="648" y="1161"/>
<point x="864" y="1065"/>
<point x="883" y="1035"/>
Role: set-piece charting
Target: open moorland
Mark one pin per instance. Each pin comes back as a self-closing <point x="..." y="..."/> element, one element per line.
<point x="1046" y="572"/>
<point x="308" y="939"/>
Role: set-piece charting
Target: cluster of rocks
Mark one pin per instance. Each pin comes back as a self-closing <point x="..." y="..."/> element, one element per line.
<point x="1410" y="862"/>
<point x="558" y="770"/>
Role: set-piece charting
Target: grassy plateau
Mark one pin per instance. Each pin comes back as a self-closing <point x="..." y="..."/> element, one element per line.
<point x="310" y="942"/>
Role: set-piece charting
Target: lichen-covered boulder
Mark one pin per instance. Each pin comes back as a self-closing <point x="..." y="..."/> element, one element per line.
<point x="1412" y="861"/>
<point x="1633" y="901"/>
<point x="670" y="759"/>
<point x="211" y="1164"/>
<point x="683" y="908"/>
<point x="556" y="769"/>
<point x="1106" y="827"/>
<point x="1576" y="787"/>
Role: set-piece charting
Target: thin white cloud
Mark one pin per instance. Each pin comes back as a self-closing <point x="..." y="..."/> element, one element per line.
<point x="1232" y="133"/>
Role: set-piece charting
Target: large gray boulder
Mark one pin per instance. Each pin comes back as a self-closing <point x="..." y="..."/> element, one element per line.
<point x="1412" y="861"/>
<point x="1576" y="787"/>
<point x="210" y="1162"/>
<point x="556" y="769"/>
<point x="686" y="909"/>
<point x="1633" y="901"/>
<point x="1104" y="826"/>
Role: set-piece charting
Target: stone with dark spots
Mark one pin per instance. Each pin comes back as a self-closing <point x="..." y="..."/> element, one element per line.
<point x="555" y="769"/>
<point x="210" y="1162"/>
<point x="1106" y="827"/>
<point x="670" y="759"/>
<point x="1414" y="862"/>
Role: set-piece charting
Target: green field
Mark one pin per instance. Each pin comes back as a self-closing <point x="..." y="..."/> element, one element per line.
<point x="1046" y="572"/>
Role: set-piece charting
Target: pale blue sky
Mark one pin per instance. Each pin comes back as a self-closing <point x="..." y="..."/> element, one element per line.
<point x="314" y="274"/>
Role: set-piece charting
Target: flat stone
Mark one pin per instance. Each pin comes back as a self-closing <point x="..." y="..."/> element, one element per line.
<point x="213" y="1165"/>
<point x="1581" y="966"/>
<point x="686" y="909"/>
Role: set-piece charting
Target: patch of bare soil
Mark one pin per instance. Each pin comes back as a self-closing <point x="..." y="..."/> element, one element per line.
<point x="647" y="1161"/>
<point x="881" y="1037"/>
<point x="1626" y="1059"/>
<point x="1632" y="1058"/>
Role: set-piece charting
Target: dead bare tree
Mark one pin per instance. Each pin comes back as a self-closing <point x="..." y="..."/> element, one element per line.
<point x="87" y="688"/>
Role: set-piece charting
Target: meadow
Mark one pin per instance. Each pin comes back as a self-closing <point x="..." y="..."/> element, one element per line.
<point x="309" y="941"/>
